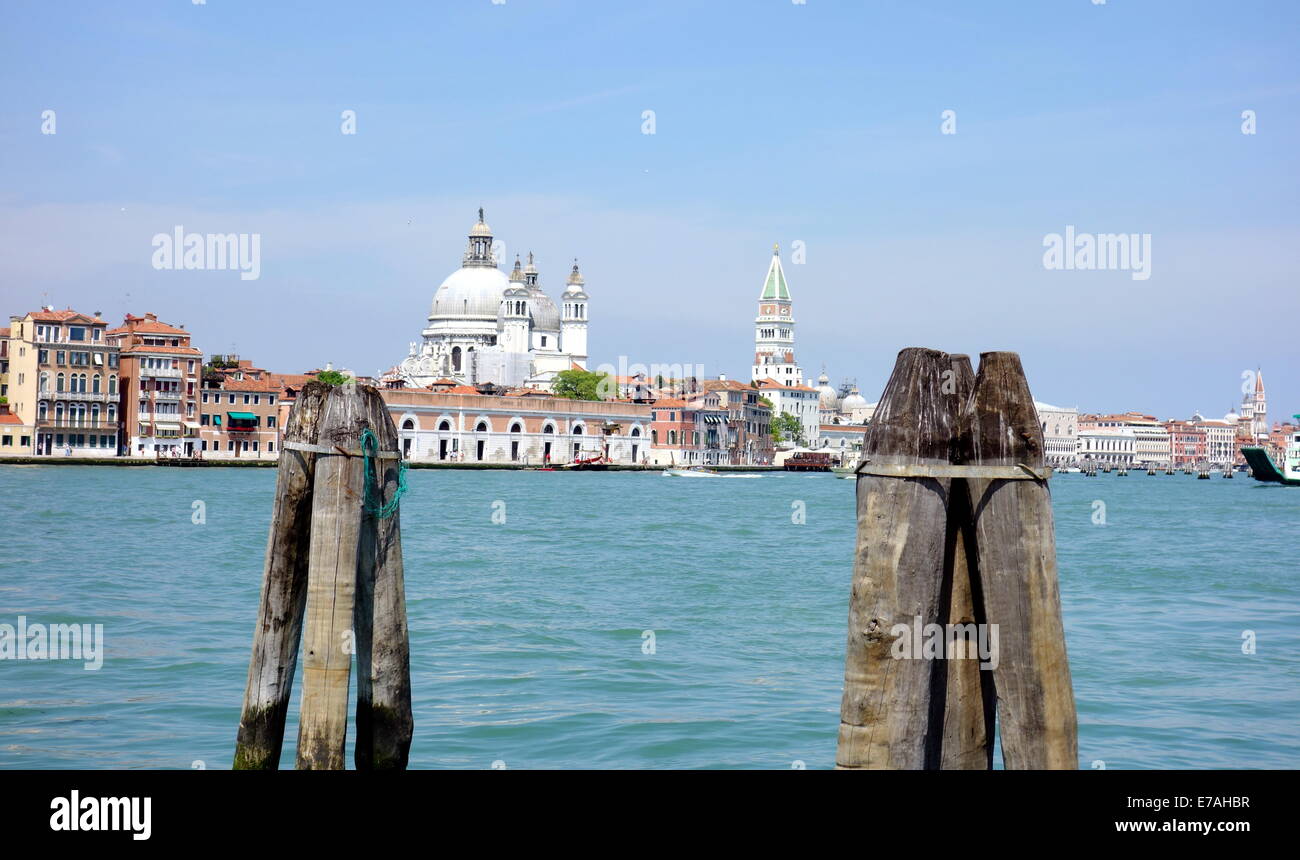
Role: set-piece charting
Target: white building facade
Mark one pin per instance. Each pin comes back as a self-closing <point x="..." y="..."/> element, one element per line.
<point x="1060" y="433"/>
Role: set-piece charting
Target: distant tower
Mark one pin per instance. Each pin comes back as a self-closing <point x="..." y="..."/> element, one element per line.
<point x="514" y="313"/>
<point x="774" y="329"/>
<point x="573" y="324"/>
<point x="1259" y="417"/>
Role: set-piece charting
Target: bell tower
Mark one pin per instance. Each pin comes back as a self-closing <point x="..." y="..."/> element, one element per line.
<point x="774" y="329"/>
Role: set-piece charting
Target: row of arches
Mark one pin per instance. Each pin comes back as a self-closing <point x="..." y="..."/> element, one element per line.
<point x="75" y="414"/>
<point x="484" y="425"/>
<point x="76" y="383"/>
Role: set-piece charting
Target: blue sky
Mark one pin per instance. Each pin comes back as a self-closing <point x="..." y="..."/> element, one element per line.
<point x="775" y="122"/>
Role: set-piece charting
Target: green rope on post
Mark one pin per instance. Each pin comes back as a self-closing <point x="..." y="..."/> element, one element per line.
<point x="374" y="498"/>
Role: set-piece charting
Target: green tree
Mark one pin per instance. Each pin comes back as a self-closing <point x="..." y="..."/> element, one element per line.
<point x="333" y="377"/>
<point x="582" y="385"/>
<point x="787" y="428"/>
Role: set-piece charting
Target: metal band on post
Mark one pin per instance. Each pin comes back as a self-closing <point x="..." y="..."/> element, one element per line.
<point x="1018" y="472"/>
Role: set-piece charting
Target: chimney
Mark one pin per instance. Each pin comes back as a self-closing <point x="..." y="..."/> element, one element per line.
<point x="722" y="377"/>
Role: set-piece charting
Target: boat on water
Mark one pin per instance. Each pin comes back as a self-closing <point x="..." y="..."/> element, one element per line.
<point x="1263" y="469"/>
<point x="697" y="472"/>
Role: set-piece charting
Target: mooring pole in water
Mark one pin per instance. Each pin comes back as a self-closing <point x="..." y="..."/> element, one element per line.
<point x="955" y="527"/>
<point x="968" y="724"/>
<point x="1018" y="575"/>
<point x="342" y="588"/>
<point x="898" y="570"/>
<point x="284" y="592"/>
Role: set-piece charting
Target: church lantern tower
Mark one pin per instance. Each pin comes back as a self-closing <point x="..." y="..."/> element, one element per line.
<point x="774" y="329"/>
<point x="573" y="324"/>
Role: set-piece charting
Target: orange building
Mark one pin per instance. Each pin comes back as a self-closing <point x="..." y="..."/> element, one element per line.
<point x="160" y="378"/>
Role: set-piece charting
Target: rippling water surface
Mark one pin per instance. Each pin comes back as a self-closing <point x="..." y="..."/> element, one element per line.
<point x="527" y="636"/>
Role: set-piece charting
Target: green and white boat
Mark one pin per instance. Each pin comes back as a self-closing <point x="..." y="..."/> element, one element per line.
<point x="1264" y="469"/>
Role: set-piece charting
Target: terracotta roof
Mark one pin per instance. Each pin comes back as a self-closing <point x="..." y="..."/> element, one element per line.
<point x="719" y="384"/>
<point x="462" y="389"/>
<point x="169" y="350"/>
<point x="249" y="385"/>
<point x="670" y="402"/>
<point x="60" y="316"/>
<point x="4" y="332"/>
<point x="9" y="418"/>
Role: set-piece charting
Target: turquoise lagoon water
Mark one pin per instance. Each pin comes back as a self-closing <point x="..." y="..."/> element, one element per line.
<point x="527" y="636"/>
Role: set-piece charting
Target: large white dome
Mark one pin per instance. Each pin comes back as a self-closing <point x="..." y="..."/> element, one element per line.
<point x="471" y="292"/>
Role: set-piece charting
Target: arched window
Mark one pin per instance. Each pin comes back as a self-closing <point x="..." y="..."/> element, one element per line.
<point x="455" y="358"/>
<point x="516" y="428"/>
<point x="672" y="437"/>
<point x="408" y="424"/>
<point x="112" y="412"/>
<point x="45" y="381"/>
<point x="94" y="412"/>
<point x="58" y="382"/>
<point x="444" y="425"/>
<point x="636" y="431"/>
<point x="548" y="428"/>
<point x="577" y="429"/>
<point x="112" y="384"/>
<point x="41" y="410"/>
<point x="94" y="384"/>
<point x="654" y="437"/>
<point x="481" y="427"/>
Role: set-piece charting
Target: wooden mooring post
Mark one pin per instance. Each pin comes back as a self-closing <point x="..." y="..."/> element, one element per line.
<point x="954" y="610"/>
<point x="334" y="576"/>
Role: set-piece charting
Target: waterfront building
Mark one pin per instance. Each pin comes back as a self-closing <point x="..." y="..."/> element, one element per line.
<point x="774" y="329"/>
<point x="843" y="441"/>
<point x="239" y="417"/>
<point x="798" y="400"/>
<point x="160" y="379"/>
<point x="15" y="436"/>
<point x="1106" y="445"/>
<point x="64" y="383"/>
<point x="689" y="431"/>
<point x="1220" y="438"/>
<point x="1151" y="443"/>
<point x="1187" y="444"/>
<point x="1060" y="433"/>
<point x="521" y="426"/>
<point x="749" y="422"/>
<point x="487" y="327"/>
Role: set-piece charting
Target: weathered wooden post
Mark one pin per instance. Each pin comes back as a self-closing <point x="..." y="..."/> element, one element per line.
<point x="898" y="570"/>
<point x="384" y="722"/>
<point x="343" y="578"/>
<point x="968" y="723"/>
<point x="1017" y="572"/>
<point x="284" y="592"/>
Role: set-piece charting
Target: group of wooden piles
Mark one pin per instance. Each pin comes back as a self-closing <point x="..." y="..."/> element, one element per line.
<point x="955" y="527"/>
<point x="333" y="578"/>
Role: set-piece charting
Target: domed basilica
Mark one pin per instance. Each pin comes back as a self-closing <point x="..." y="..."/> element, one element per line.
<point x="487" y="327"/>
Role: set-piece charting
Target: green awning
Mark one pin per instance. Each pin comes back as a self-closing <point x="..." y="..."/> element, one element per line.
<point x="242" y="416"/>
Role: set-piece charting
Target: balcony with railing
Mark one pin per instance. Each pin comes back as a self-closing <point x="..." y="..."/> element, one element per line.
<point x="75" y="424"/>
<point x="78" y="396"/>
<point x="160" y="372"/>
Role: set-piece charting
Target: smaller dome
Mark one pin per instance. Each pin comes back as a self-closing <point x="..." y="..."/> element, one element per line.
<point x="853" y="401"/>
<point x="827" y="397"/>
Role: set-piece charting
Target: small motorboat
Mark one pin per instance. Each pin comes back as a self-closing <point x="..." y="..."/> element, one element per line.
<point x="703" y="473"/>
